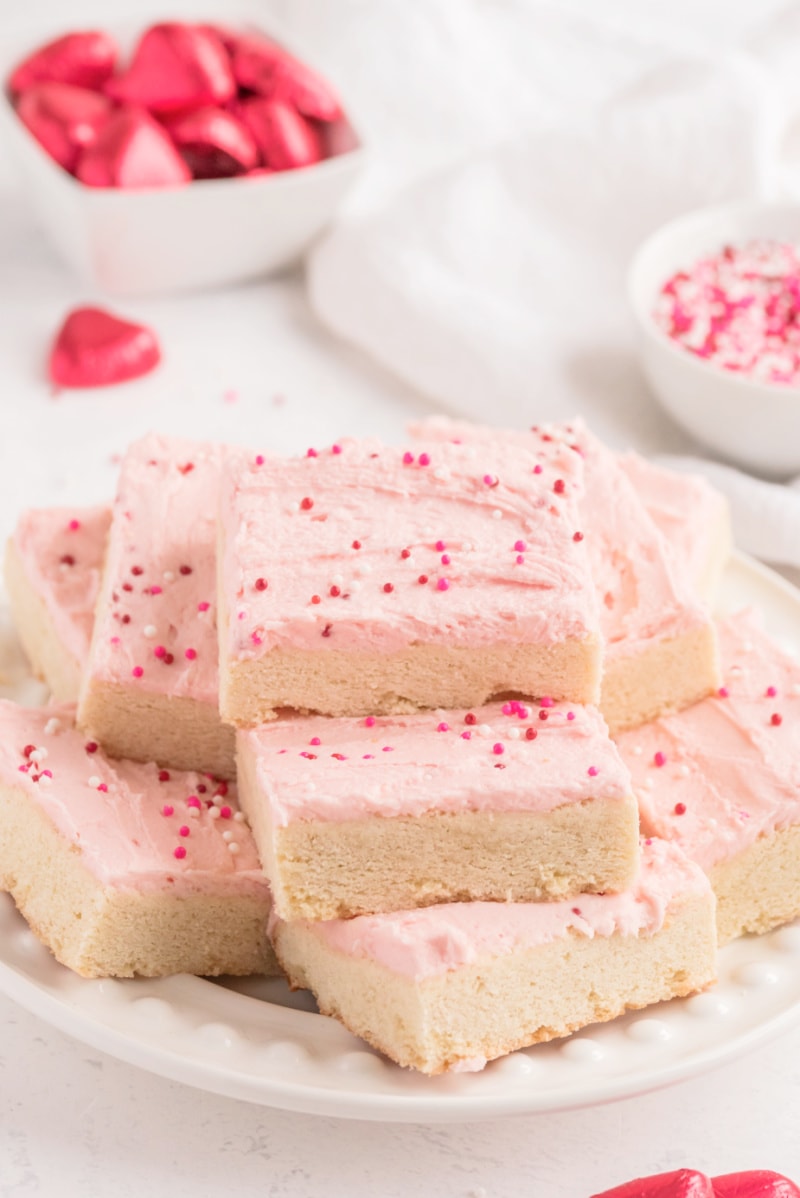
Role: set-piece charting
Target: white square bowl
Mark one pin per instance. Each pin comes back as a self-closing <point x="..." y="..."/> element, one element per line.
<point x="206" y="233"/>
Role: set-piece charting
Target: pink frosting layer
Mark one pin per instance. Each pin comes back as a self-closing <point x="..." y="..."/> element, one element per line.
<point x="722" y="773"/>
<point x="61" y="550"/>
<point x="506" y="758"/>
<point x="435" y="940"/>
<point x="156" y="627"/>
<point x="688" y="512"/>
<point x="327" y="551"/>
<point x="643" y="595"/>
<point x="126" y="818"/>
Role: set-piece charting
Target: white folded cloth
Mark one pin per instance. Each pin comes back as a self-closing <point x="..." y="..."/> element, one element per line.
<point x="521" y="150"/>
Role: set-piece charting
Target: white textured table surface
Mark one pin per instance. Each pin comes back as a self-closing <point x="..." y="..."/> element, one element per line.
<point x="75" y="1122"/>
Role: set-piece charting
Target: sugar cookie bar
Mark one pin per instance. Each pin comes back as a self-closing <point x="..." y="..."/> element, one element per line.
<point x="690" y="514"/>
<point x="150" y="689"/>
<point x="721" y="781"/>
<point x="509" y="802"/>
<point x="453" y="986"/>
<point x="122" y="868"/>
<point x="364" y="579"/>
<point x="660" y="643"/>
<point x="53" y="564"/>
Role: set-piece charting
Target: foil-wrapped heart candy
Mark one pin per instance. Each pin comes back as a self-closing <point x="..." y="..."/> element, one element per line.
<point x="682" y="1183"/>
<point x="688" y="1183"/>
<point x="176" y="67"/>
<point x="265" y="68"/>
<point x="132" y="150"/>
<point x="214" y="143"/>
<point x="286" y="139"/>
<point x="84" y="59"/>
<point x="94" y="349"/>
<point x="63" y="119"/>
<point x="755" y="1183"/>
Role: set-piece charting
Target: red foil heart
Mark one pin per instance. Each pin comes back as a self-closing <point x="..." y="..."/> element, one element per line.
<point x="214" y="143"/>
<point x="63" y="119"/>
<point x="95" y="349"/>
<point x="176" y="67"/>
<point x="684" y="1183"/>
<point x="261" y="66"/>
<point x="82" y="59"/>
<point x="754" y="1184"/>
<point x="132" y="151"/>
<point x="286" y="140"/>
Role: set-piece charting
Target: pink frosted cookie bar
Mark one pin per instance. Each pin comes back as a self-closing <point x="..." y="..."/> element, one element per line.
<point x="364" y="579"/>
<point x="507" y="802"/>
<point x="690" y="514"/>
<point x="454" y="986"/>
<point x="52" y="573"/>
<point x="721" y="781"/>
<point x="123" y="868"/>
<point x="660" y="643"/>
<point x="150" y="690"/>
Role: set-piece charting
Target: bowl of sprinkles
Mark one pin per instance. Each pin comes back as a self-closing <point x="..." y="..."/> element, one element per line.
<point x="716" y="298"/>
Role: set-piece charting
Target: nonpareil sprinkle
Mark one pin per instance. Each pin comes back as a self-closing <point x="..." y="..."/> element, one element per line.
<point x="740" y="309"/>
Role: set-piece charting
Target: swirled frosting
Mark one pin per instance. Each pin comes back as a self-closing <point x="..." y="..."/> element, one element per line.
<point x="61" y="550"/>
<point x="501" y="757"/>
<point x="360" y="546"/>
<point x="717" y="776"/>
<point x="136" y="827"/>
<point x="688" y="512"/>
<point x="432" y="941"/>
<point x="643" y="593"/>
<point x="156" y="616"/>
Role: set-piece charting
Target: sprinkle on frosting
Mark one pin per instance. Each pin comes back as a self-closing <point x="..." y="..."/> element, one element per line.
<point x="447" y="511"/>
<point x="161" y="547"/>
<point x="119" y="816"/>
<point x="430" y="770"/>
<point x="730" y="769"/>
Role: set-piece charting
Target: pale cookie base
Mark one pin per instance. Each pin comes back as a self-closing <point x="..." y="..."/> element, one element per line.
<point x="339" y="683"/>
<point x="665" y="677"/>
<point x="336" y="869"/>
<point x="759" y="888"/>
<point x="484" y="1010"/>
<point x="100" y="931"/>
<point x="171" y="730"/>
<point x="50" y="659"/>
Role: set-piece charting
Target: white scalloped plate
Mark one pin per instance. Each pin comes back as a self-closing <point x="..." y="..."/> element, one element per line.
<point x="253" y="1040"/>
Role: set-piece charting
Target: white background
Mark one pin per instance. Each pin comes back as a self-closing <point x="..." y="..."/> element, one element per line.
<point x="253" y="365"/>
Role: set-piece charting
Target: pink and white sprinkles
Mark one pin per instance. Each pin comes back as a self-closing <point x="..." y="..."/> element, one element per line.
<point x="740" y="309"/>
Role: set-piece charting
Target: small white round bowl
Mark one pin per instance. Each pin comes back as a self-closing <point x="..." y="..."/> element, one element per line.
<point x="205" y="234"/>
<point x="754" y="424"/>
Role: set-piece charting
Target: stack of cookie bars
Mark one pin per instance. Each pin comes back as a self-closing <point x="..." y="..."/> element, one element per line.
<point x="490" y="773"/>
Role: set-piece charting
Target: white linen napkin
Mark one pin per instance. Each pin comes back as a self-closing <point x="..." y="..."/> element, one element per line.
<point x="521" y="151"/>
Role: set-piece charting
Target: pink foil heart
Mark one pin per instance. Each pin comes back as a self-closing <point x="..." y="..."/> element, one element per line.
<point x="176" y="67"/>
<point x="82" y="59"/>
<point x="286" y="140"/>
<point x="95" y="349"/>
<point x="214" y="143"/>
<point x="261" y="66"/>
<point x="683" y="1183"/>
<point x="132" y="151"/>
<point x="63" y="119"/>
<point x="756" y="1183"/>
